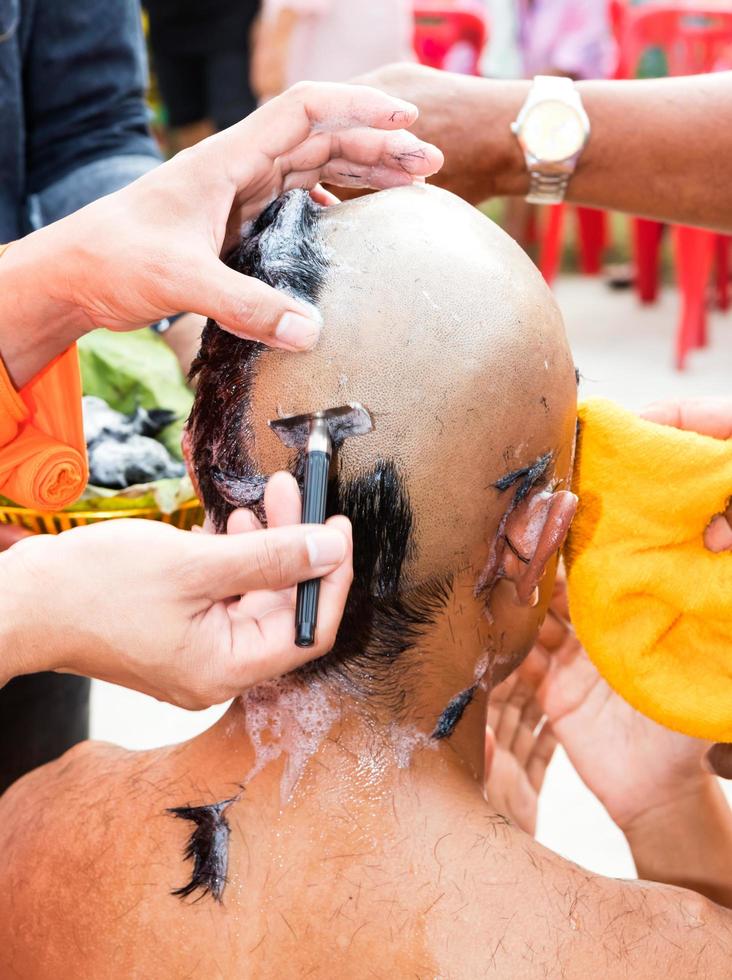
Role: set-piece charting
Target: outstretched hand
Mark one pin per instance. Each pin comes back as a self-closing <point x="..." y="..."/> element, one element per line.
<point x="155" y="247"/>
<point x="630" y="763"/>
<point x="519" y="744"/>
<point x="171" y="227"/>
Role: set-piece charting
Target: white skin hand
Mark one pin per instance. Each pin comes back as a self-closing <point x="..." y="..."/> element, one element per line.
<point x="189" y="618"/>
<point x="154" y="247"/>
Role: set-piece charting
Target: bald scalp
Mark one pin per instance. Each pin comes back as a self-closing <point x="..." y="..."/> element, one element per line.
<point x="442" y="327"/>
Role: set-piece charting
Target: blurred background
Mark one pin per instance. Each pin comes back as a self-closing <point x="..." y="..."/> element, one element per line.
<point x="639" y="329"/>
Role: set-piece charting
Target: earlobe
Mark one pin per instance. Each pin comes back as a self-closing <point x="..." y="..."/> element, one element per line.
<point x="534" y="532"/>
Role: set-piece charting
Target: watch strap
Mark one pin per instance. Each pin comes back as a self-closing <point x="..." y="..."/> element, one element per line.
<point x="547" y="188"/>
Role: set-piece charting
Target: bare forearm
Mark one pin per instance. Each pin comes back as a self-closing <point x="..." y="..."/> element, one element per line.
<point x="23" y="647"/>
<point x="688" y="843"/>
<point x="659" y="148"/>
<point x="35" y="324"/>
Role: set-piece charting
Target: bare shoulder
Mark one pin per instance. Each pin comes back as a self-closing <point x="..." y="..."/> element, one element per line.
<point x="77" y="839"/>
<point x="543" y="916"/>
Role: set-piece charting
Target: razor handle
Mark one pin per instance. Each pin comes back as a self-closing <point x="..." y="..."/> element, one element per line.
<point x="315" y="490"/>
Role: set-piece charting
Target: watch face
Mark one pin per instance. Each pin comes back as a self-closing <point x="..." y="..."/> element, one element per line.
<point x="552" y="131"/>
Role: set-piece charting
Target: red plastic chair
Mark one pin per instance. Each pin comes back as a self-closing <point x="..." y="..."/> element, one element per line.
<point x="695" y="39"/>
<point x="592" y="240"/>
<point x="450" y="36"/>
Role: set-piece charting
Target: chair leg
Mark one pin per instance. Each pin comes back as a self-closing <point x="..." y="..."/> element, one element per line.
<point x="694" y="261"/>
<point x="646" y="247"/>
<point x="723" y="270"/>
<point x="592" y="230"/>
<point x="551" y="245"/>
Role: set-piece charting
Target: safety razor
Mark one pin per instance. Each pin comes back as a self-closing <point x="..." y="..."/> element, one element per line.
<point x="317" y="433"/>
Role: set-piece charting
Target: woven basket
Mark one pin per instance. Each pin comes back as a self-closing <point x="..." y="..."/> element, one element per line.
<point x="53" y="522"/>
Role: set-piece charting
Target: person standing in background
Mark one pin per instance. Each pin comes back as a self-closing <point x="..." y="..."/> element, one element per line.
<point x="201" y="58"/>
<point x="328" y="41"/>
<point x="566" y="37"/>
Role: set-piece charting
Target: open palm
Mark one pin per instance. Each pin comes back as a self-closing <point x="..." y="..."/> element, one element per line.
<point x="519" y="744"/>
<point x="628" y="761"/>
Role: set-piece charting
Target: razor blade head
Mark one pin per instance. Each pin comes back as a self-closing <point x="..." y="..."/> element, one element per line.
<point x="343" y="422"/>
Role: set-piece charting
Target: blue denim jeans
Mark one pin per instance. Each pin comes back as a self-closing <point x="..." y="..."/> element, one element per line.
<point x="72" y="82"/>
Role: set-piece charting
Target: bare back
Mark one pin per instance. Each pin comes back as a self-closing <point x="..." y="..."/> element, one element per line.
<point x="425" y="884"/>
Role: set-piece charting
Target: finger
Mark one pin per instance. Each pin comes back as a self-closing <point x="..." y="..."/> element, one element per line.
<point x="265" y="647"/>
<point x="541" y="756"/>
<point x="256" y="605"/>
<point x="332" y="107"/>
<point x="282" y="502"/>
<point x="527" y="732"/>
<point x="718" y="534"/>
<point x="509" y="721"/>
<point x="334" y="589"/>
<point x="553" y="631"/>
<point x="341" y="173"/>
<point x="222" y="566"/>
<point x="250" y="308"/>
<point x="241" y="521"/>
<point x="286" y="121"/>
<point x="323" y="197"/>
<point x="708" y="416"/>
<point x="719" y="760"/>
<point x="533" y="670"/>
<point x="400" y="151"/>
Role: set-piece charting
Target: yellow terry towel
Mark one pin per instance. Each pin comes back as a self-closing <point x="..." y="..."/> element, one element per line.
<point x="650" y="604"/>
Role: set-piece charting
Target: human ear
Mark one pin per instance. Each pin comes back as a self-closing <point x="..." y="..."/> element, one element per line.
<point x="533" y="533"/>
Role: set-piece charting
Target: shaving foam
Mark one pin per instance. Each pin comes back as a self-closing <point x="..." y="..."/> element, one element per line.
<point x="283" y="717"/>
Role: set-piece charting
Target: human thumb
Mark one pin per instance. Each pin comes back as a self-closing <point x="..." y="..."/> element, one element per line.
<point x="253" y="310"/>
<point x="277" y="558"/>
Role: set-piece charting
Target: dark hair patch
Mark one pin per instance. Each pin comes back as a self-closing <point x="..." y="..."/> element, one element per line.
<point x="384" y="617"/>
<point x="525" y="478"/>
<point x="208" y="848"/>
<point x="285" y="250"/>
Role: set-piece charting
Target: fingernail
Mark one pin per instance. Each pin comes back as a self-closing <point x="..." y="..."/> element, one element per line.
<point x="325" y="547"/>
<point x="405" y="106"/>
<point x="297" y="331"/>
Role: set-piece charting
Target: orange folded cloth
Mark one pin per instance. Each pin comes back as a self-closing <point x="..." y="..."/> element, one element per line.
<point x="39" y="472"/>
<point x="43" y="461"/>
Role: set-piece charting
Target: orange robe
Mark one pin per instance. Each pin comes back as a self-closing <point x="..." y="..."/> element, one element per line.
<point x="43" y="462"/>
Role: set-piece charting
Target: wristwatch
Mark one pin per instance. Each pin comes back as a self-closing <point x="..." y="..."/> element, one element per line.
<point x="552" y="128"/>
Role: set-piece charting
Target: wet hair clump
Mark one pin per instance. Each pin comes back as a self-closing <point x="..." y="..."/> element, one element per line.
<point x="207" y="847"/>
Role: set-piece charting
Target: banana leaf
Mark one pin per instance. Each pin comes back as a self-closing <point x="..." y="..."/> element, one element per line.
<point x="138" y="368"/>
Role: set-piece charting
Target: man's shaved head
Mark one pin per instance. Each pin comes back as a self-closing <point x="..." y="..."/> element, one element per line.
<point x="438" y="323"/>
